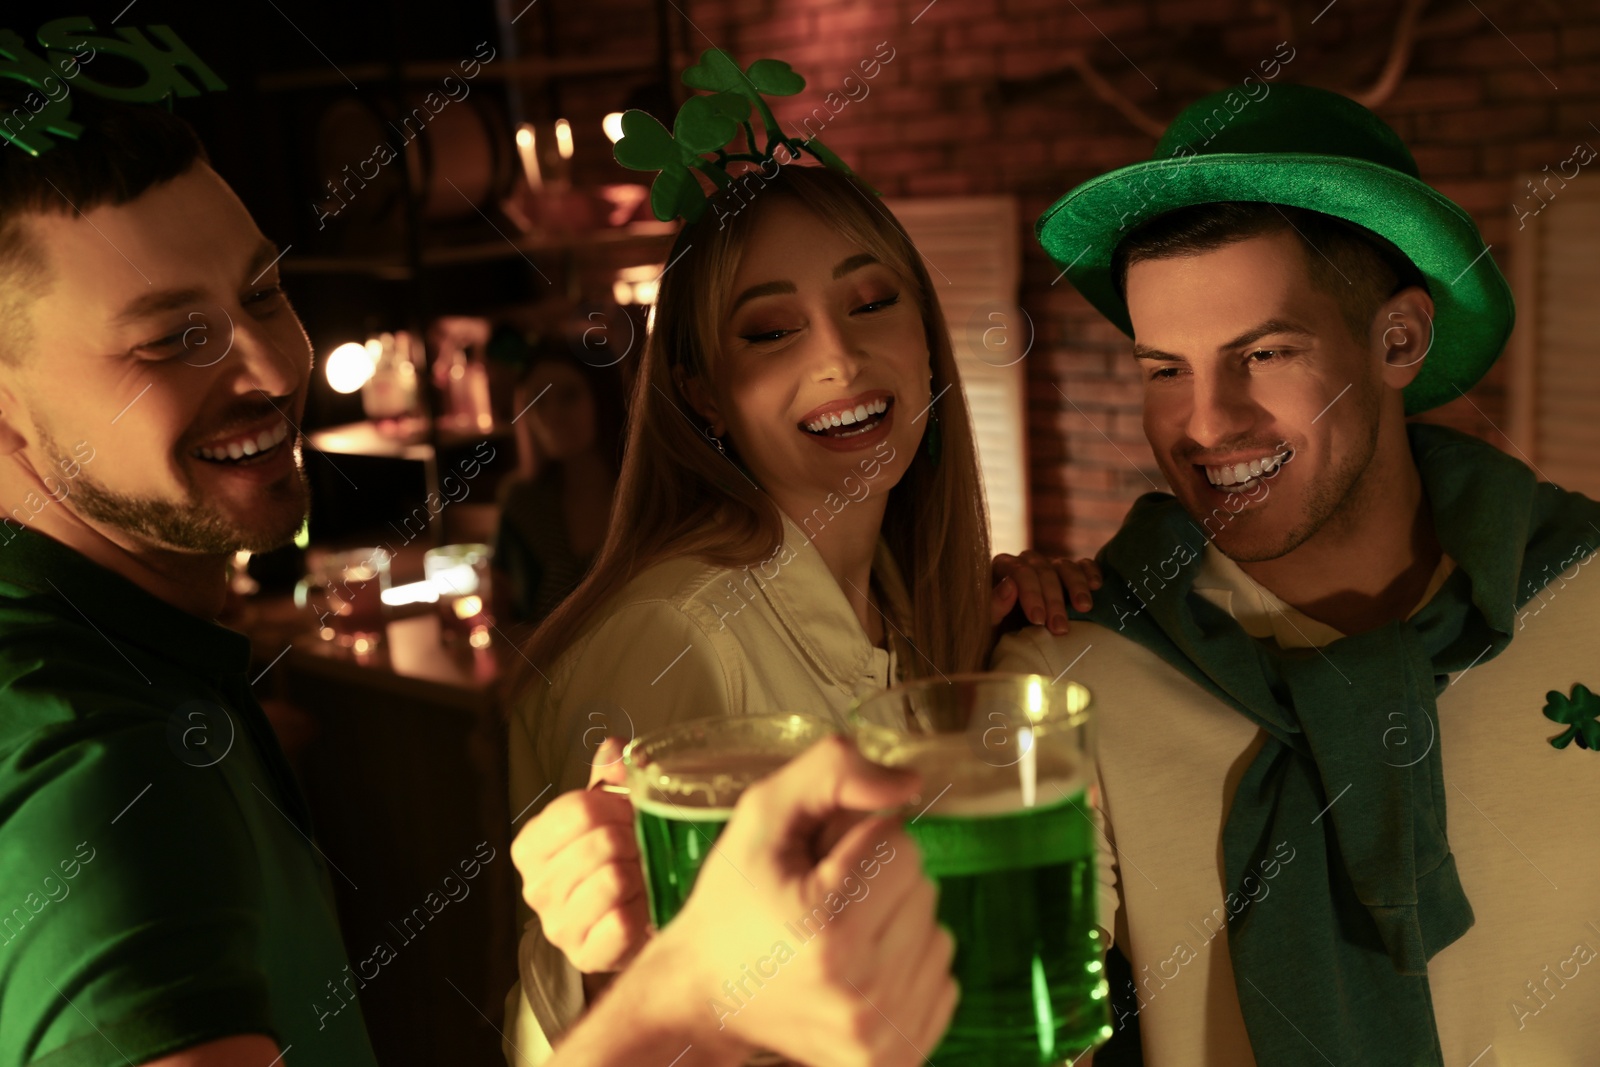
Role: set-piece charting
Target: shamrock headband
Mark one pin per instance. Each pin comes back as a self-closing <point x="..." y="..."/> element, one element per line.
<point x="69" y="47"/>
<point x="710" y="124"/>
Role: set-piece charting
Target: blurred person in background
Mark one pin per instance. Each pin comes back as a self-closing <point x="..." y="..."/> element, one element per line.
<point x="554" y="514"/>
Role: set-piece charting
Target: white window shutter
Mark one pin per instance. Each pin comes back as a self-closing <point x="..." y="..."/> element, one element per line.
<point x="969" y="245"/>
<point x="1553" y="386"/>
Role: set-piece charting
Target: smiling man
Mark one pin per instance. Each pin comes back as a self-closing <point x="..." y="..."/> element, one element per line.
<point x="1325" y="716"/>
<point x="161" y="901"/>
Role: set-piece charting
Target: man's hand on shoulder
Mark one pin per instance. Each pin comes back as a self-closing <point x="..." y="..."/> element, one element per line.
<point x="1037" y="587"/>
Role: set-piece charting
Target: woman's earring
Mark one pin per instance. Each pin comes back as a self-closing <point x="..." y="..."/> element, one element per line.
<point x="931" y="439"/>
<point x="733" y="460"/>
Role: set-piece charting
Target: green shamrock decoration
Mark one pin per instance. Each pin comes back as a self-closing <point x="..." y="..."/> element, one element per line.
<point x="710" y="124"/>
<point x="704" y="124"/>
<point x="1578" y="713"/>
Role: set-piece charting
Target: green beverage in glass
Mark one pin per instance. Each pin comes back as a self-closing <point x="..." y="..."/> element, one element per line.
<point x="674" y="842"/>
<point x="1005" y="833"/>
<point x="684" y="782"/>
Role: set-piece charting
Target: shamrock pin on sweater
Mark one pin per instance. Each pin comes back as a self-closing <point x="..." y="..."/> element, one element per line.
<point x="1578" y="713"/>
<point x="709" y="124"/>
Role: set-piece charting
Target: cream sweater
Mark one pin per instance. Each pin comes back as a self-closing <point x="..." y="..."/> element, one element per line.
<point x="1522" y="987"/>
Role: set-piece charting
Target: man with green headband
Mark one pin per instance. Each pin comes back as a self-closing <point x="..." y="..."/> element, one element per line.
<point x="1344" y="672"/>
<point x="162" y="900"/>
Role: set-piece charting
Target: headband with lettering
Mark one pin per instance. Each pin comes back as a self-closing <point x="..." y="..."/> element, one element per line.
<point x="69" y="45"/>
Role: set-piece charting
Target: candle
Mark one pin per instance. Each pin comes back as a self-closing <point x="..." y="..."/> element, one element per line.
<point x="527" y="147"/>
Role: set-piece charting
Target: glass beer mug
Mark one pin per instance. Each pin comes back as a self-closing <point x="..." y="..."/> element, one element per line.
<point x="344" y="590"/>
<point x="1004" y="827"/>
<point x="684" y="782"/>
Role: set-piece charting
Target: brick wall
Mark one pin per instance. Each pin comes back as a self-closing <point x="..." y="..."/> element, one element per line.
<point x="974" y="102"/>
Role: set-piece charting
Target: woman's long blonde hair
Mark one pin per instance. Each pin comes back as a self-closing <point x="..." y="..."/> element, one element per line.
<point x="678" y="496"/>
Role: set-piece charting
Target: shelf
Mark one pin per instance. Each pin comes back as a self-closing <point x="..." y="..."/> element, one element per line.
<point x="530" y="68"/>
<point x="408" y="440"/>
<point x="394" y="267"/>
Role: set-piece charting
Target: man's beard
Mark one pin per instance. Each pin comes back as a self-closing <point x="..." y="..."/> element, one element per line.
<point x="1338" y="498"/>
<point x="190" y="525"/>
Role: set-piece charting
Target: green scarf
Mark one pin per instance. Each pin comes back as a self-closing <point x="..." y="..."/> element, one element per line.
<point x="1338" y="960"/>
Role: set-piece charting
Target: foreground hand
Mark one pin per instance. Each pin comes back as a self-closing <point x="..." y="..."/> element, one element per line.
<point x="833" y="959"/>
<point x="1041" y="584"/>
<point x="581" y="874"/>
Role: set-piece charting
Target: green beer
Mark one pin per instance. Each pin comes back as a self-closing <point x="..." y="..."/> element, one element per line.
<point x="684" y="782"/>
<point x="1008" y="842"/>
<point x="673" y="844"/>
<point x="1017" y="890"/>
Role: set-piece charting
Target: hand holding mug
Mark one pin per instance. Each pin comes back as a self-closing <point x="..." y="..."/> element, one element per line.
<point x="828" y="959"/>
<point x="581" y="872"/>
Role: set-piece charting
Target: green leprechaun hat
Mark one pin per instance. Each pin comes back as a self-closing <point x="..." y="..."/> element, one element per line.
<point x="1308" y="148"/>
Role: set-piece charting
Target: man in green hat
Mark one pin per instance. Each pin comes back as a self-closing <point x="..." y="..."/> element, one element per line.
<point x="1341" y="669"/>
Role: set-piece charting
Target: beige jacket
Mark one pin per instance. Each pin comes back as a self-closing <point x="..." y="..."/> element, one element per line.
<point x="684" y="640"/>
<point x="1515" y="988"/>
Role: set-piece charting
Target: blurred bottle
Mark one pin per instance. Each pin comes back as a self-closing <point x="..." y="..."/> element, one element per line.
<point x="461" y="372"/>
<point x="391" y="392"/>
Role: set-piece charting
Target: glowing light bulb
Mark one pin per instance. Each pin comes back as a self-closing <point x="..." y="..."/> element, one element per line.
<point x="349" y="366"/>
<point x="564" y="138"/>
<point x="612" y="124"/>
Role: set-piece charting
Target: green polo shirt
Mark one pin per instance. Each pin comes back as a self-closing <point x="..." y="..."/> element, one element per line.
<point x="158" y="885"/>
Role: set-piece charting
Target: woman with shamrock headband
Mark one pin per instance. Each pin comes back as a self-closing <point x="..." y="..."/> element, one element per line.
<point x="799" y="518"/>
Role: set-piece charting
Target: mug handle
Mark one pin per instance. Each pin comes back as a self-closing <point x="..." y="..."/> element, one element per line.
<point x="311" y="593"/>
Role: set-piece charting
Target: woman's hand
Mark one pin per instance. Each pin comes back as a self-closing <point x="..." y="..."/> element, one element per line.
<point x="1040" y="584"/>
<point x="581" y="874"/>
